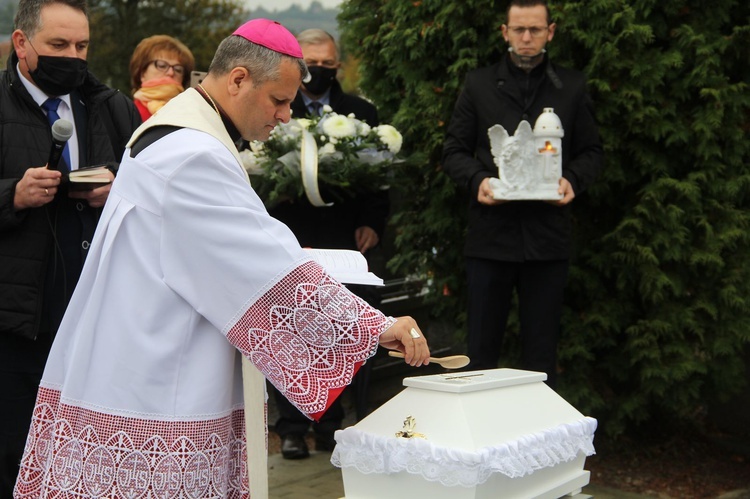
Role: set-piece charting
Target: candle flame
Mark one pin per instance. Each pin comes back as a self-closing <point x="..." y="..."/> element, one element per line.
<point x="548" y="147"/>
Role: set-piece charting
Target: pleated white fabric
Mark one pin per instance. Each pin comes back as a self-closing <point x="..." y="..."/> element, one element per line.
<point x="370" y="453"/>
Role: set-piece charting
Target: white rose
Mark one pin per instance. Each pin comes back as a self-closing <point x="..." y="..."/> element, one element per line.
<point x="291" y="125"/>
<point x="282" y="131"/>
<point x="390" y="137"/>
<point x="364" y="129"/>
<point x="304" y="123"/>
<point x="326" y="150"/>
<point x="250" y="162"/>
<point x="339" y="126"/>
<point x="327" y="108"/>
<point x="289" y="131"/>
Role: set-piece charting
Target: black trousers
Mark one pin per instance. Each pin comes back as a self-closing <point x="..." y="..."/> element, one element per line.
<point x="540" y="287"/>
<point x="293" y="422"/>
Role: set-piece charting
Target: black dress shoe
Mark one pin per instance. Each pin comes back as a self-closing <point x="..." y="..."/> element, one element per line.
<point x="294" y="447"/>
<point x="324" y="442"/>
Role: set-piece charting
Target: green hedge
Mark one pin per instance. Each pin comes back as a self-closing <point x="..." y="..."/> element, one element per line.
<point x="658" y="304"/>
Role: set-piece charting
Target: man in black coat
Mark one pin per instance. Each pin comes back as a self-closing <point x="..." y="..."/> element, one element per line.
<point x="355" y="221"/>
<point x="519" y="245"/>
<point x="45" y="229"/>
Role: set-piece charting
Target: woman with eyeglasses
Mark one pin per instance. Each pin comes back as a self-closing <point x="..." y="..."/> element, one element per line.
<point x="159" y="70"/>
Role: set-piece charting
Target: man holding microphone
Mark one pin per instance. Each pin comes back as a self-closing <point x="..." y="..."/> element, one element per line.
<point x="45" y="230"/>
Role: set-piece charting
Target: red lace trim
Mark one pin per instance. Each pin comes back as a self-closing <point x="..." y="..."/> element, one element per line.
<point x="309" y="335"/>
<point x="73" y="453"/>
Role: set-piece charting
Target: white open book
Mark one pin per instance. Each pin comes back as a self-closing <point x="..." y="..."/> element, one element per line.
<point x="346" y="266"/>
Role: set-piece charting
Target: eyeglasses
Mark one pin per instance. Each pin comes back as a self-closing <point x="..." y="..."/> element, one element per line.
<point x="534" y="31"/>
<point x="163" y="66"/>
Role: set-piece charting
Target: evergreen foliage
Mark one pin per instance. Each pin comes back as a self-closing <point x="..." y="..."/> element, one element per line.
<point x="117" y="26"/>
<point x="7" y="13"/>
<point x="658" y="302"/>
<point x="297" y="19"/>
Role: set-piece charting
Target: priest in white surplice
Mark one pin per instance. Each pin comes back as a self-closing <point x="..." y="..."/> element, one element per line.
<point x="142" y="393"/>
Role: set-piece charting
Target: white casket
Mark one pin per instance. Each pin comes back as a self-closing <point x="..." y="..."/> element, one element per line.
<point x="498" y="433"/>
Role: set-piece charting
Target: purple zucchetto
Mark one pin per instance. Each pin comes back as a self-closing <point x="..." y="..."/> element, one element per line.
<point x="271" y="35"/>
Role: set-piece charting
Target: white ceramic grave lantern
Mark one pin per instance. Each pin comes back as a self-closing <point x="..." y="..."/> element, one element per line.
<point x="530" y="161"/>
<point x="498" y="433"/>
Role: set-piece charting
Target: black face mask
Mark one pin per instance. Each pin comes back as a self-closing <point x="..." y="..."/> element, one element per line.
<point x="321" y="79"/>
<point x="59" y="75"/>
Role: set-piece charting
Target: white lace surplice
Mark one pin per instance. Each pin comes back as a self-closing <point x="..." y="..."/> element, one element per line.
<point x="142" y="394"/>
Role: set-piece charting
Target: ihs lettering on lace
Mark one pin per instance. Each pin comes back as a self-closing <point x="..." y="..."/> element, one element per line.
<point x="310" y="344"/>
<point x="88" y="463"/>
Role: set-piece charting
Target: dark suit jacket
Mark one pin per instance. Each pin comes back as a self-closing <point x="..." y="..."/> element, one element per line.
<point x="520" y="230"/>
<point x="42" y="249"/>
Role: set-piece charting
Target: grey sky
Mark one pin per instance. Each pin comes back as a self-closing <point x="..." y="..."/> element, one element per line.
<point x="273" y="5"/>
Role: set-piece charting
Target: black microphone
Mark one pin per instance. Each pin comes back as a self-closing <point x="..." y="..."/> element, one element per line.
<point x="62" y="130"/>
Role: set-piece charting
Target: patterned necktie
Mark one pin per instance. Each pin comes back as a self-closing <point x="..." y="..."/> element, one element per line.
<point x="51" y="105"/>
<point x="315" y="108"/>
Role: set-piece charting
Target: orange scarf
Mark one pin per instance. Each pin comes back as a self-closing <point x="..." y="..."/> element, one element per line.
<point x="157" y="92"/>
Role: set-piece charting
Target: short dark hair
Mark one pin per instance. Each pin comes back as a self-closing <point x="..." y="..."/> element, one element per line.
<point x="262" y="63"/>
<point x="29" y="15"/>
<point x="528" y="3"/>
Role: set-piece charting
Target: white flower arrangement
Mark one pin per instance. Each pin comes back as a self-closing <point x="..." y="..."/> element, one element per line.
<point x="351" y="156"/>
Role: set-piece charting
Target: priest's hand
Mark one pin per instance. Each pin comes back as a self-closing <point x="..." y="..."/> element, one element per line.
<point x="406" y="337"/>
